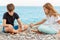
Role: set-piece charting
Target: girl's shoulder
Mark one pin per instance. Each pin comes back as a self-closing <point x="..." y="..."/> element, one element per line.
<point x="58" y="14"/>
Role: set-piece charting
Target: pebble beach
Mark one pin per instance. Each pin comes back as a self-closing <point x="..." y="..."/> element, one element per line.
<point x="27" y="35"/>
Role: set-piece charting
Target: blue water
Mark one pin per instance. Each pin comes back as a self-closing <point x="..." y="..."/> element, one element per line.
<point x="27" y="14"/>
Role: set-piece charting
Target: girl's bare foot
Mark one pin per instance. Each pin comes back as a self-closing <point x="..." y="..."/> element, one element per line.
<point x="58" y="34"/>
<point x="36" y="31"/>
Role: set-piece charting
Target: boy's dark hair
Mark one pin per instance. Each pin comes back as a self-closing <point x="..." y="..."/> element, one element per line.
<point x="10" y="7"/>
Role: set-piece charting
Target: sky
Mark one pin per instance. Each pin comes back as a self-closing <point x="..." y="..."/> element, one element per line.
<point x="29" y="2"/>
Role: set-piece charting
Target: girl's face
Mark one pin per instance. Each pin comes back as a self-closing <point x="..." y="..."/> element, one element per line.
<point x="45" y="10"/>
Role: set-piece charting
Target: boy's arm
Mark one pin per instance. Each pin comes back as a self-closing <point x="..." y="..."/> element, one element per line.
<point x="4" y="23"/>
<point x="19" y="23"/>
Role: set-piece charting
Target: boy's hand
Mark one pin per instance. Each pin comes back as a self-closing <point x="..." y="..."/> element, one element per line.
<point x="20" y="29"/>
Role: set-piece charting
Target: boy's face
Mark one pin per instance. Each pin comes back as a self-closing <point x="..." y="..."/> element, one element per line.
<point x="11" y="13"/>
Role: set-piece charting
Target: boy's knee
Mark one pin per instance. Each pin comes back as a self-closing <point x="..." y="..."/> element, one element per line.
<point x="26" y="26"/>
<point x="6" y="29"/>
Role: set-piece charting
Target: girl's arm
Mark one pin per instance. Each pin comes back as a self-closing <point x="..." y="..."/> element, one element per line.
<point x="39" y="23"/>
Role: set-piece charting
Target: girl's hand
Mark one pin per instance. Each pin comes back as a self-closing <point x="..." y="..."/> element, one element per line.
<point x="58" y="21"/>
<point x="31" y="25"/>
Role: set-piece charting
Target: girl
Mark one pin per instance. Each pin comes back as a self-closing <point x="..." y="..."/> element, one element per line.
<point x="51" y="23"/>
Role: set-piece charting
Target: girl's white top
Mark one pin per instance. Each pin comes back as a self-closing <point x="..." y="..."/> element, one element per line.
<point x="52" y="21"/>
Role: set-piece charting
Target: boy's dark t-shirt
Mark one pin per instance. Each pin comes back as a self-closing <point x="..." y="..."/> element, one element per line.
<point x="10" y="19"/>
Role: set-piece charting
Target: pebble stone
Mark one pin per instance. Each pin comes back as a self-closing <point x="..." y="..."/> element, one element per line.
<point x="27" y="36"/>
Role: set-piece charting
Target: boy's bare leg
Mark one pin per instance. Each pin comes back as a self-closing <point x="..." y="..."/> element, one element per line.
<point x="25" y="28"/>
<point x="10" y="30"/>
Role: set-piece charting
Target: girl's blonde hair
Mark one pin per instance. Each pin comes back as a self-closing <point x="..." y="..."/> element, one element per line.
<point x="50" y="8"/>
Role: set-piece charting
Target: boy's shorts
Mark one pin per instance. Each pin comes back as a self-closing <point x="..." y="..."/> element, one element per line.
<point x="15" y="27"/>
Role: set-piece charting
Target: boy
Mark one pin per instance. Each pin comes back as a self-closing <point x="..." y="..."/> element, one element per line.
<point x="8" y="21"/>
